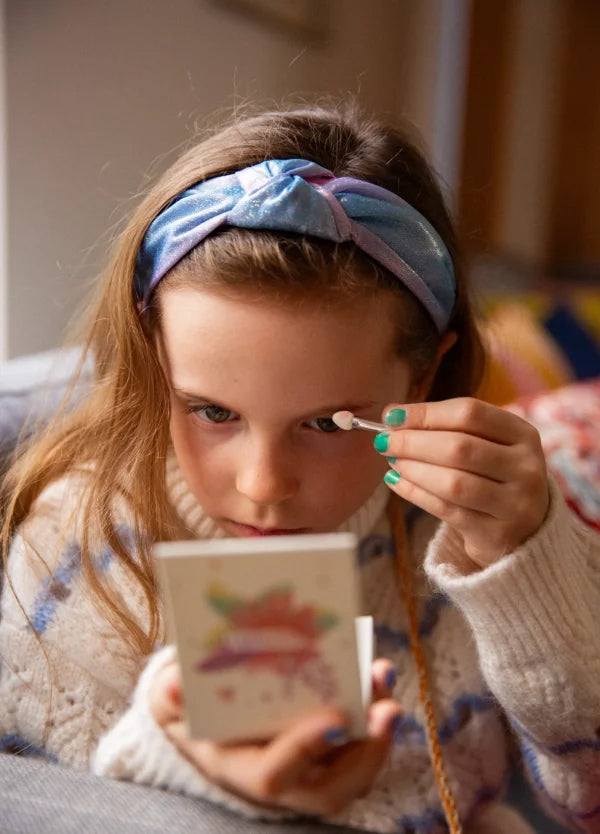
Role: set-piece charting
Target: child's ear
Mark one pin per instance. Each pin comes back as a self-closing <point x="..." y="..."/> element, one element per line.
<point x="420" y="387"/>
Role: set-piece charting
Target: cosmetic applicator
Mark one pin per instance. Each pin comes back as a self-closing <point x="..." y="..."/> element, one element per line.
<point x="347" y="421"/>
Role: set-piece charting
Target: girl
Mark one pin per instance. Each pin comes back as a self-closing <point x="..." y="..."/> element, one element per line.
<point x="293" y="265"/>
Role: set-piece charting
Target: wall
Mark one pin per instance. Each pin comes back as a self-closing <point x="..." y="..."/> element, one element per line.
<point x="530" y="131"/>
<point x="3" y="206"/>
<point x="530" y="174"/>
<point x="99" y="92"/>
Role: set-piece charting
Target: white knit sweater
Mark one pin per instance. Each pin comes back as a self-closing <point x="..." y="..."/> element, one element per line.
<point x="516" y="645"/>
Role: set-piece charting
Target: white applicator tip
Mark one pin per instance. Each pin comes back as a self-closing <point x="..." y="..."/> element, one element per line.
<point x="346" y="420"/>
<point x="343" y="419"/>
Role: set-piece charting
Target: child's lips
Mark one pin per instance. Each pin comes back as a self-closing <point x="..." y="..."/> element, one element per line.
<point x="249" y="530"/>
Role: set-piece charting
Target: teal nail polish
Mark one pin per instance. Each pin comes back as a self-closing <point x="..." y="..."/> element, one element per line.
<point x="391" y="477"/>
<point x="381" y="442"/>
<point x="395" y="417"/>
<point x="391" y="460"/>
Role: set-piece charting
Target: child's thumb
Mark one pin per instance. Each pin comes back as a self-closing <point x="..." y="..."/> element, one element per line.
<point x="165" y="695"/>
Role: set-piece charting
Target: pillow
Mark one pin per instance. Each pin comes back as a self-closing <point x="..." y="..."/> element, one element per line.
<point x="535" y="344"/>
<point x="522" y="358"/>
<point x="31" y="388"/>
<point x="568" y="421"/>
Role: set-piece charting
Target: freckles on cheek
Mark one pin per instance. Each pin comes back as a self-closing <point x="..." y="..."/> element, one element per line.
<point x="200" y="470"/>
<point x="186" y="441"/>
<point x="375" y="469"/>
<point x="195" y="446"/>
<point x="360" y="464"/>
<point x="369" y="466"/>
<point x="179" y="433"/>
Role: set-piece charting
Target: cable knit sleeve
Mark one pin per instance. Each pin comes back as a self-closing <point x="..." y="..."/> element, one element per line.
<point x="65" y="674"/>
<point x="535" y="617"/>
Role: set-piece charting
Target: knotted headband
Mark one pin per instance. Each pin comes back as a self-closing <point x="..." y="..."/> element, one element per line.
<point x="294" y="195"/>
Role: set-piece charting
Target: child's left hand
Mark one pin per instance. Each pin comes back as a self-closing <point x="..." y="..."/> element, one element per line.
<point x="477" y="467"/>
<point x="302" y="768"/>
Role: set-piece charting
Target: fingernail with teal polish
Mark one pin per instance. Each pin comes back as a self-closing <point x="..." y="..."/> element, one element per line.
<point x="391" y="460"/>
<point x="381" y="442"/>
<point x="390" y="679"/>
<point x="336" y="735"/>
<point x="391" y="477"/>
<point x="395" y="417"/>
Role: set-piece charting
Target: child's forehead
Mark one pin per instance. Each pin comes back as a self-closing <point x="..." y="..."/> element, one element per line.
<point x="209" y="338"/>
<point x="217" y="318"/>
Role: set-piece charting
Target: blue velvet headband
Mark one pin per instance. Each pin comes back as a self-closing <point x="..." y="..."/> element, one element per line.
<point x="294" y="195"/>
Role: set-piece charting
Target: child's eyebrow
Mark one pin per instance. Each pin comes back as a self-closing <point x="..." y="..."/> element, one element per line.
<point x="320" y="411"/>
<point x="188" y="395"/>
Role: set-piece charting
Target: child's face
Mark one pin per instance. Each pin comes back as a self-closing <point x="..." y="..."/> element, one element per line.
<point x="253" y="388"/>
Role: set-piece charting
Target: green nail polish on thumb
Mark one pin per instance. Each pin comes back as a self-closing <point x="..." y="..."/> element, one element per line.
<point x="395" y="417"/>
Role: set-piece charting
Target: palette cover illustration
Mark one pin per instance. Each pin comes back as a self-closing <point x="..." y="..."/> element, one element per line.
<point x="265" y="631"/>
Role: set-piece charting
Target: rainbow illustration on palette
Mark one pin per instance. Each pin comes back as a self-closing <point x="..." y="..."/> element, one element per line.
<point x="269" y="632"/>
<point x="266" y="630"/>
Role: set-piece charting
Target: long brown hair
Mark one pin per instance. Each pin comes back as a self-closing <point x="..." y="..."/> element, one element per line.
<point x="122" y="425"/>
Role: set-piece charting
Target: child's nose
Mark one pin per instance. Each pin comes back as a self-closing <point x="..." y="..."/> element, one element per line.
<point x="265" y="477"/>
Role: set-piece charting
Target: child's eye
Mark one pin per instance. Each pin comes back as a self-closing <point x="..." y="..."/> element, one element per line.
<point x="324" y="424"/>
<point x="211" y="413"/>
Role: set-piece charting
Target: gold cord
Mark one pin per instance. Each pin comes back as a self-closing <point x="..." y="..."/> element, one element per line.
<point x="406" y="590"/>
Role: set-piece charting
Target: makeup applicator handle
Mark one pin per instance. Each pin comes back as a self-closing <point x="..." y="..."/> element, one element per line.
<point x="347" y="421"/>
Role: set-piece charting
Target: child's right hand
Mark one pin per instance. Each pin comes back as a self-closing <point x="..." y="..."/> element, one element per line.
<point x="308" y="768"/>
